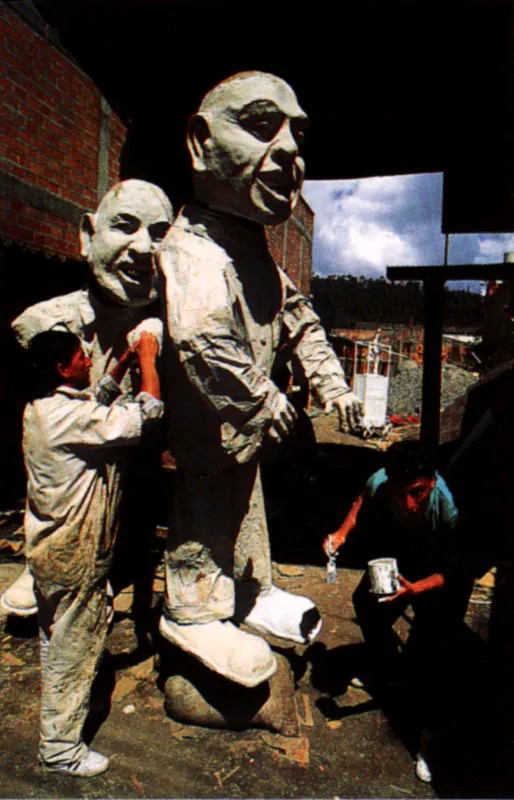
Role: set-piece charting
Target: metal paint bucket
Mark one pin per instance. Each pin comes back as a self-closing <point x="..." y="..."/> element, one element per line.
<point x="383" y="575"/>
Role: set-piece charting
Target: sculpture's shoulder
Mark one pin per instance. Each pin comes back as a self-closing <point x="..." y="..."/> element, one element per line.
<point x="198" y="292"/>
<point x="195" y="268"/>
<point x="66" y="310"/>
<point x="187" y="251"/>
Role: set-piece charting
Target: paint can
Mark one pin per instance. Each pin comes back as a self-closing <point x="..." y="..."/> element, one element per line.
<point x="383" y="575"/>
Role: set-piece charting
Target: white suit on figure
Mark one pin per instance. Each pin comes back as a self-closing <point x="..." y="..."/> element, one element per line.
<point x="228" y="308"/>
<point x="225" y="328"/>
<point x="119" y="242"/>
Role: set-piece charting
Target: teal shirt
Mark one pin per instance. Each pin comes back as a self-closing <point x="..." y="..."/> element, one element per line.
<point x="421" y="543"/>
<point x="441" y="509"/>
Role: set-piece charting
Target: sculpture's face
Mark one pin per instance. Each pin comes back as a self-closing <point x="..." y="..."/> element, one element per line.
<point x="248" y="160"/>
<point x="120" y="240"/>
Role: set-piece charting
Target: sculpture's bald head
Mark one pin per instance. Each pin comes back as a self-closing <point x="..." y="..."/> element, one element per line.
<point x="245" y="143"/>
<point x="120" y="239"/>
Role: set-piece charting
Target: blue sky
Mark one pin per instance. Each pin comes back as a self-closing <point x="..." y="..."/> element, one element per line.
<point x="364" y="225"/>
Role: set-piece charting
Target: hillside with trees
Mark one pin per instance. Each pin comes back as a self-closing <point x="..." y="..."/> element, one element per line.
<point x="344" y="301"/>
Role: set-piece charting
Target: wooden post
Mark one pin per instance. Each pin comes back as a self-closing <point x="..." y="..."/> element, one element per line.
<point x="432" y="343"/>
<point x="433" y="283"/>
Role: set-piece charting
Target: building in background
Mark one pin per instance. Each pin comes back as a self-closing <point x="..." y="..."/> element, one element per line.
<point x="291" y="245"/>
<point x="61" y="148"/>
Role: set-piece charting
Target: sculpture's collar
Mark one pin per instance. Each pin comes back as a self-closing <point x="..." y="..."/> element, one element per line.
<point x="225" y="229"/>
<point x="96" y="306"/>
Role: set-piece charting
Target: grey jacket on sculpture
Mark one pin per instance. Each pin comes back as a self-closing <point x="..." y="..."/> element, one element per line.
<point x="229" y="309"/>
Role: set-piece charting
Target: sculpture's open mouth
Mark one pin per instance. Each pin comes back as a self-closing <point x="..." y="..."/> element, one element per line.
<point x="134" y="276"/>
<point x="279" y="189"/>
<point x="279" y="184"/>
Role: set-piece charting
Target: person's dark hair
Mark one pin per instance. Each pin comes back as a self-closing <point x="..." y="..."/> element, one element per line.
<point x="407" y="461"/>
<point x="45" y="352"/>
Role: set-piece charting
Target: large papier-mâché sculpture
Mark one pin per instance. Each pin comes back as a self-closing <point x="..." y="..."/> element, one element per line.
<point x="119" y="242"/>
<point x="228" y="307"/>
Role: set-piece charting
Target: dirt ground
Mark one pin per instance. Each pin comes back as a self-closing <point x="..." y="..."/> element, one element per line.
<point x="348" y="746"/>
<point x="352" y="743"/>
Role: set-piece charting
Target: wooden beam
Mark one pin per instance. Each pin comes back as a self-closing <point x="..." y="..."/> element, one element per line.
<point x="432" y="343"/>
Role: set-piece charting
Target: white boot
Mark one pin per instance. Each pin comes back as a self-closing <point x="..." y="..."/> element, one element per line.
<point x="288" y="616"/>
<point x="19" y="599"/>
<point x="92" y="764"/>
<point x="239" y="656"/>
<point x="422" y="770"/>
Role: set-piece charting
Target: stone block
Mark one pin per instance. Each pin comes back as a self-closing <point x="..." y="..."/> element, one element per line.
<point x="207" y="699"/>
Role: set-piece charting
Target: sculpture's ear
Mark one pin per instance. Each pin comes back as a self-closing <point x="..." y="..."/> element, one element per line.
<point x="87" y="229"/>
<point x="198" y="136"/>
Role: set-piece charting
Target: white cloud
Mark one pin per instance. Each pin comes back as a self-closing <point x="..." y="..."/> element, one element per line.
<point x="376" y="245"/>
<point x="492" y="249"/>
<point x="363" y="226"/>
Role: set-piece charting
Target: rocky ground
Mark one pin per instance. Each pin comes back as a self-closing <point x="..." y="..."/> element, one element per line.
<point x="351" y="743"/>
<point x="405" y="388"/>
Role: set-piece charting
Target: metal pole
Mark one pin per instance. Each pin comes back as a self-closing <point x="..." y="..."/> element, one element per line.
<point x="446" y="248"/>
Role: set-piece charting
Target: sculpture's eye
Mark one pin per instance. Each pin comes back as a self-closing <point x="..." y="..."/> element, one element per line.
<point x="158" y="231"/>
<point x="126" y="224"/>
<point x="299" y="131"/>
<point x="263" y="126"/>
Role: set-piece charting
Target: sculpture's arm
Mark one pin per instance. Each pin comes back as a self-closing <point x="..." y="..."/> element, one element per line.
<point x="322" y="367"/>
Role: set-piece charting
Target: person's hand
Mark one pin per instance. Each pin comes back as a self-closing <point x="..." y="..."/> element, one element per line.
<point x="406" y="590"/>
<point x="350" y="411"/>
<point x="147" y="346"/>
<point x="331" y="545"/>
<point x="283" y="418"/>
<point x="128" y="354"/>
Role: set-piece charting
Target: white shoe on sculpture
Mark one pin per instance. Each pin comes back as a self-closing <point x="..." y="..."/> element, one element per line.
<point x="93" y="764"/>
<point x="19" y="599"/>
<point x="235" y="654"/>
<point x="285" y="615"/>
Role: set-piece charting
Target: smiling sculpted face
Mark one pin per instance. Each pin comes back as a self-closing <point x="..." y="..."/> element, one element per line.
<point x="245" y="143"/>
<point x="120" y="240"/>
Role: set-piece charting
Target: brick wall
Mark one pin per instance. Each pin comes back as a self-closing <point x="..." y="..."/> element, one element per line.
<point x="56" y="135"/>
<point x="407" y="343"/>
<point x="60" y="148"/>
<point x="290" y="245"/>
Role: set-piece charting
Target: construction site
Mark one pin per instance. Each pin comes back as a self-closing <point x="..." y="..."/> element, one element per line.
<point x="101" y="91"/>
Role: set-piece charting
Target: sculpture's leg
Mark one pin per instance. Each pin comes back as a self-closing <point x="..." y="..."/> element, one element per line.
<point x="209" y="509"/>
<point x="260" y="604"/>
<point x="252" y="555"/>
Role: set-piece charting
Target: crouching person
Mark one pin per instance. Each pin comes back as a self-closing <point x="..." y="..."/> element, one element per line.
<point x="72" y="444"/>
<point x="407" y="512"/>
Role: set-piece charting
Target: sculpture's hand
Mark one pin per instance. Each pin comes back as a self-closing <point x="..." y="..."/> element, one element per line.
<point x="150" y="325"/>
<point x="350" y="410"/>
<point x="283" y="418"/>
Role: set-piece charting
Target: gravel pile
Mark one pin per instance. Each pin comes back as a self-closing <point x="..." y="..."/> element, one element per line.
<point x="405" y="388"/>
